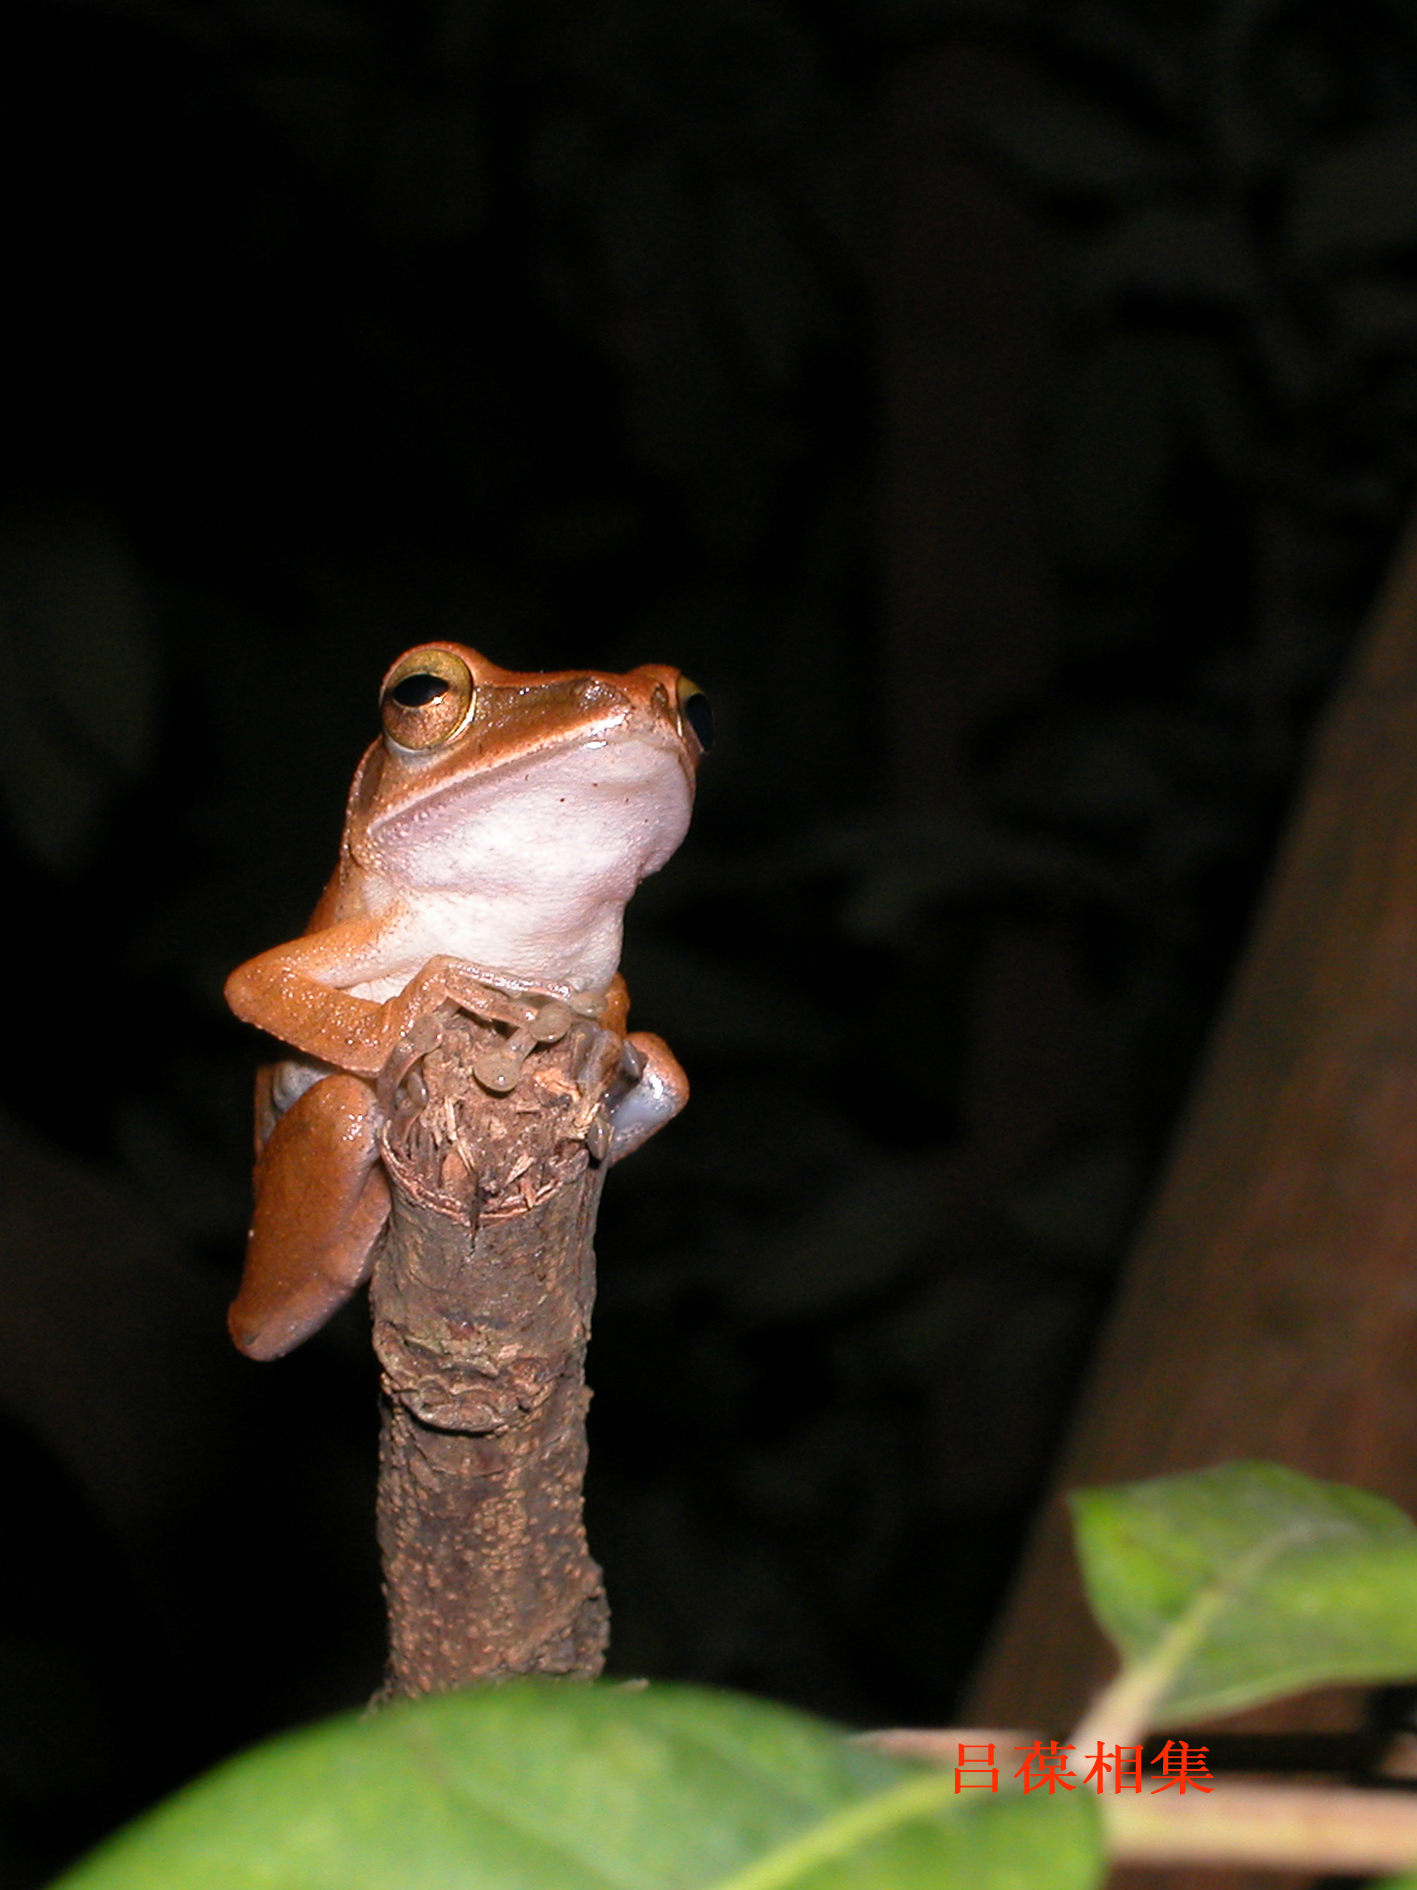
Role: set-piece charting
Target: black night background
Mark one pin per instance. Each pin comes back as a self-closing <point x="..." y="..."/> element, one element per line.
<point x="1004" y="411"/>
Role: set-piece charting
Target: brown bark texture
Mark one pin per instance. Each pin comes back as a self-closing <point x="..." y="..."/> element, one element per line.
<point x="481" y="1299"/>
<point x="1270" y="1306"/>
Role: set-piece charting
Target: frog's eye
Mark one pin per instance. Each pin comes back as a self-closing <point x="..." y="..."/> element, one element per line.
<point x="694" y="710"/>
<point x="428" y="698"/>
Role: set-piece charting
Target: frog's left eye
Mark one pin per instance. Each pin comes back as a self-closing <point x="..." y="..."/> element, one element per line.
<point x="695" y="713"/>
<point x="427" y="698"/>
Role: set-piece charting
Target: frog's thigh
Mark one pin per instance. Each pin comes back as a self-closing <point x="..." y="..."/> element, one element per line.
<point x="321" y="1203"/>
<point x="659" y="1095"/>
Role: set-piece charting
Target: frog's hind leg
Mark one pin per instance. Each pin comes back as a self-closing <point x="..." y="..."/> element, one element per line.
<point x="321" y="1204"/>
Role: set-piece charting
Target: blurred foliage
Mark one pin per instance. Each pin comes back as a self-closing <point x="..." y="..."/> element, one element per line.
<point x="551" y="327"/>
<point x="586" y="1787"/>
<point x="1237" y="1583"/>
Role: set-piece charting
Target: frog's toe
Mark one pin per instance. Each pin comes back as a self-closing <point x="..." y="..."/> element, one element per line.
<point x="659" y="1094"/>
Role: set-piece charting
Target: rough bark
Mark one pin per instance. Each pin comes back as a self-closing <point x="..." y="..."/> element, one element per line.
<point x="1269" y="1310"/>
<point x="481" y="1299"/>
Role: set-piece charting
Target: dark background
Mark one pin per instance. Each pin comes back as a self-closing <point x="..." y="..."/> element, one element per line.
<point x="1004" y="412"/>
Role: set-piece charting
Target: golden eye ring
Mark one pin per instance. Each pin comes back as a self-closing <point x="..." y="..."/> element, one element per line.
<point x="428" y="697"/>
<point x="695" y="714"/>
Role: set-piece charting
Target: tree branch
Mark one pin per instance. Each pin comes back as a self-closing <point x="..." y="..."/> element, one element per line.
<point x="481" y="1298"/>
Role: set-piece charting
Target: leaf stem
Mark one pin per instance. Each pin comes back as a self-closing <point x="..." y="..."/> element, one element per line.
<point x="1276" y="1827"/>
<point x="1122" y="1712"/>
<point x="914" y="1797"/>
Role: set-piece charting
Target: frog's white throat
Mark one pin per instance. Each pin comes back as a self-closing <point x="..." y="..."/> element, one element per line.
<point x="527" y="870"/>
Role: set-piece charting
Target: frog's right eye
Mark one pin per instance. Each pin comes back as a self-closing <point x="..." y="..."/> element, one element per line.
<point x="428" y="698"/>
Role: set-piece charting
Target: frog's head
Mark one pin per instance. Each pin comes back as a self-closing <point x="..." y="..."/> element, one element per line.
<point x="484" y="775"/>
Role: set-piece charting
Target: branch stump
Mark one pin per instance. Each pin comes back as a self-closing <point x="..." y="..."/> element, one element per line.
<point x="481" y="1297"/>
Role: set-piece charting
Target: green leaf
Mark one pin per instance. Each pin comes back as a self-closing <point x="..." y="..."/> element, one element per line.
<point x="1006" y="1843"/>
<point x="547" y="1786"/>
<point x="1240" y="1583"/>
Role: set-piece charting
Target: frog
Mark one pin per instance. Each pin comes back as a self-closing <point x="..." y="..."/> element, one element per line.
<point x="494" y="833"/>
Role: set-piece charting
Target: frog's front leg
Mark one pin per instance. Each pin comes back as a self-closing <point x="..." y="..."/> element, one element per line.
<point x="654" y="1097"/>
<point x="300" y="992"/>
<point x="321" y="1204"/>
<point x="321" y="1195"/>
